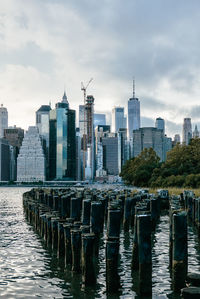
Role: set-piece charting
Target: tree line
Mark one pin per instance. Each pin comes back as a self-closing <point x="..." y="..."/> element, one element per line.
<point x="181" y="168"/>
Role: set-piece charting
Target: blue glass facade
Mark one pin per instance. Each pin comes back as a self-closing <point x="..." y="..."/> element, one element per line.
<point x="61" y="144"/>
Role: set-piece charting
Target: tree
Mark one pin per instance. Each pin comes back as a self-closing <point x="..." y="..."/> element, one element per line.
<point x="138" y="170"/>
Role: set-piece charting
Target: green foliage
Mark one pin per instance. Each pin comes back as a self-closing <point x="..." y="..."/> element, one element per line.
<point x="138" y="170"/>
<point x="182" y="167"/>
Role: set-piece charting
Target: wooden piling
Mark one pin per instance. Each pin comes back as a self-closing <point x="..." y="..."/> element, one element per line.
<point x="179" y="252"/>
<point x="144" y="253"/>
<point x="88" y="260"/>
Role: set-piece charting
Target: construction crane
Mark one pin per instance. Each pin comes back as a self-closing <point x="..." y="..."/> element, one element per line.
<point x="84" y="89"/>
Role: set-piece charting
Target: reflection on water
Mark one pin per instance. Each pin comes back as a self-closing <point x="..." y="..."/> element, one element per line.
<point x="29" y="270"/>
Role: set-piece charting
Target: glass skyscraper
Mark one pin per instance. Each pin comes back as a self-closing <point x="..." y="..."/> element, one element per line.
<point x="133" y="116"/>
<point x="118" y="119"/>
<point x="62" y="143"/>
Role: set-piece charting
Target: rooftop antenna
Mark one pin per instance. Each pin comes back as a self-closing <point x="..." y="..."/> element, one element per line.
<point x="133" y="88"/>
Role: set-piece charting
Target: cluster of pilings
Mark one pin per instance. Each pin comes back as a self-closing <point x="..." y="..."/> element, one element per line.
<point x="72" y="221"/>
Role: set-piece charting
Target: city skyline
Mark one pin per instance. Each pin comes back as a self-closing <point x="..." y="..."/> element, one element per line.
<point x="156" y="43"/>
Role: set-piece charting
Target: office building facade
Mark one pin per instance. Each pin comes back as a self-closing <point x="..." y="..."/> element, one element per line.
<point x="118" y="119"/>
<point x="62" y="142"/>
<point x="187" y="130"/>
<point x="3" y="120"/>
<point x="133" y="116"/>
<point x="149" y="137"/>
<point x="99" y="119"/>
<point x="31" y="158"/>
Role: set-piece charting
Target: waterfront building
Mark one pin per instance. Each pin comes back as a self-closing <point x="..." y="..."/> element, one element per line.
<point x="167" y="146"/>
<point x="62" y="142"/>
<point x="177" y="138"/>
<point x="3" y="120"/>
<point x="42" y="123"/>
<point x="112" y="154"/>
<point x="118" y="119"/>
<point x="99" y="119"/>
<point x="187" y="130"/>
<point x="4" y="160"/>
<point x="160" y="124"/>
<point x="133" y="114"/>
<point x="147" y="137"/>
<point x="14" y="136"/>
<point x="31" y="158"/>
<point x="100" y="132"/>
<point x="195" y="132"/>
<point x="86" y="126"/>
<point x="125" y="146"/>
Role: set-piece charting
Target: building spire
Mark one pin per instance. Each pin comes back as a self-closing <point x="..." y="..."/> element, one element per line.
<point x="133" y="88"/>
<point x="64" y="98"/>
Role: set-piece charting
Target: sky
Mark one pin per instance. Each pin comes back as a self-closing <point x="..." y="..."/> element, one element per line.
<point x="47" y="46"/>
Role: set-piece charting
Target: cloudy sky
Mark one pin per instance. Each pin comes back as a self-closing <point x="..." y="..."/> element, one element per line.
<point x="46" y="45"/>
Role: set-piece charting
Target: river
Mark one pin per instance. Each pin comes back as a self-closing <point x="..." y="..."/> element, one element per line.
<point x="28" y="269"/>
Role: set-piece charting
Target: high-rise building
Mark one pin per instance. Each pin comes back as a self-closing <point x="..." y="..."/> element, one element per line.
<point x="4" y="160"/>
<point x="31" y="159"/>
<point x="160" y="124"/>
<point x="118" y="119"/>
<point x="112" y="154"/>
<point x="150" y="137"/>
<point x="177" y="138"/>
<point x="42" y="122"/>
<point x="99" y="119"/>
<point x="195" y="132"/>
<point x="187" y="130"/>
<point x="62" y="142"/>
<point x="133" y="114"/>
<point x="14" y="136"/>
<point x="3" y="120"/>
<point x="100" y="132"/>
<point x="86" y="126"/>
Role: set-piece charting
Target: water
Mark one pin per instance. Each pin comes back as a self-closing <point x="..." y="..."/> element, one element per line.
<point x="28" y="269"/>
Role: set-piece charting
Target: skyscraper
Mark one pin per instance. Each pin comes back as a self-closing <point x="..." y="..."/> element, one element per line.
<point x="99" y="119"/>
<point x="62" y="142"/>
<point x="4" y="160"/>
<point x="160" y="124"/>
<point x="118" y="119"/>
<point x="133" y="114"/>
<point x="86" y="126"/>
<point x="149" y="137"/>
<point x="187" y="130"/>
<point x="195" y="132"/>
<point x="31" y="159"/>
<point x="14" y="136"/>
<point x="42" y="123"/>
<point x="3" y="120"/>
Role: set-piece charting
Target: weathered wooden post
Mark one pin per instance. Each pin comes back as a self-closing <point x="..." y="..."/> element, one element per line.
<point x="127" y="213"/>
<point x="112" y="256"/>
<point x="95" y="223"/>
<point x="54" y="229"/>
<point x="75" y="208"/>
<point x="86" y="212"/>
<point x="113" y="224"/>
<point x="144" y="253"/>
<point x="76" y="249"/>
<point x="190" y="293"/>
<point x="67" y="239"/>
<point x="61" y="241"/>
<point x="179" y="253"/>
<point x="88" y="259"/>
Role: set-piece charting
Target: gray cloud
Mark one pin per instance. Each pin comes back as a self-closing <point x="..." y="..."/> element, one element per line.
<point x="57" y="42"/>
